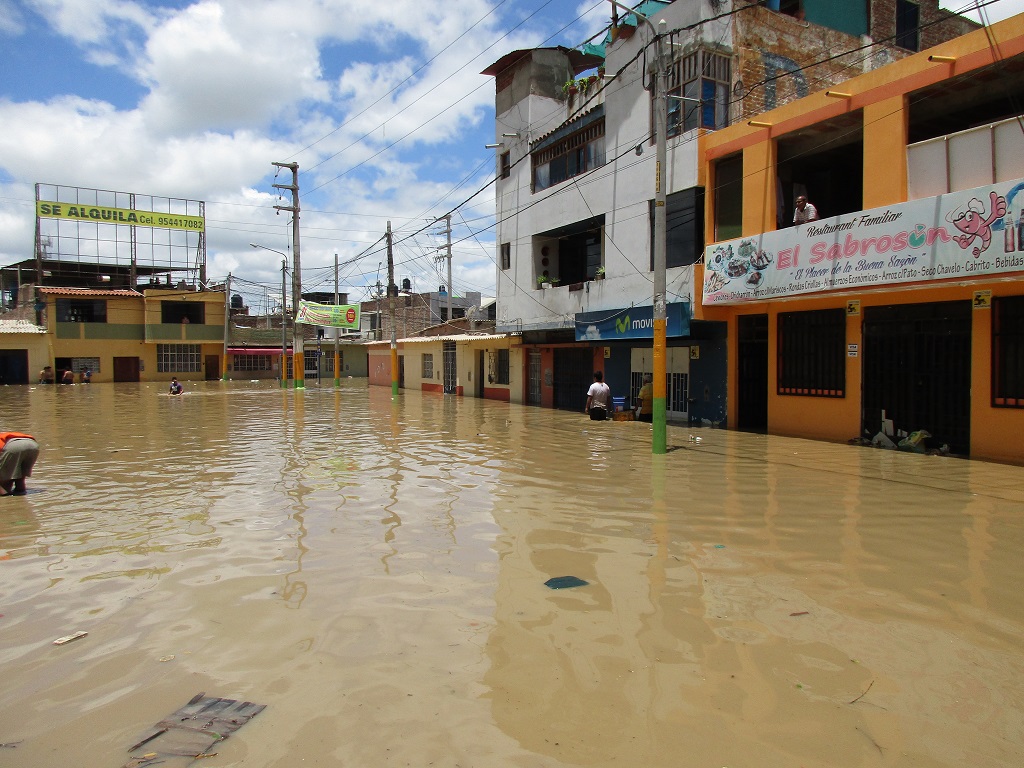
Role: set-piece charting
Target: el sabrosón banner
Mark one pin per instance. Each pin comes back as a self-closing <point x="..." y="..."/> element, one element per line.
<point x="100" y="214"/>
<point x="959" y="235"/>
<point x="333" y="315"/>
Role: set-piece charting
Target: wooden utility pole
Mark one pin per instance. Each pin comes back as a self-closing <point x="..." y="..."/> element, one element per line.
<point x="298" y="357"/>
<point x="392" y="290"/>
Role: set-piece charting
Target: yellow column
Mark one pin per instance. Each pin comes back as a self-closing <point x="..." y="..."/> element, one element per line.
<point x="885" y="153"/>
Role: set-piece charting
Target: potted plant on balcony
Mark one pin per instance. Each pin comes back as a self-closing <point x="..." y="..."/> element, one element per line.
<point x="599" y="274"/>
<point x="543" y="281"/>
<point x="569" y="87"/>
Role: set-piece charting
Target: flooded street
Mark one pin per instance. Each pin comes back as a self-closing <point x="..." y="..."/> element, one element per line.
<point x="374" y="573"/>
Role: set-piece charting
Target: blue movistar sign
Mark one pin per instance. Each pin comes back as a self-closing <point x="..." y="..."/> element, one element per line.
<point x="631" y="323"/>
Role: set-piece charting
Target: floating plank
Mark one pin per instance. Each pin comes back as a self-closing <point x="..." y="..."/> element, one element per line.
<point x="192" y="730"/>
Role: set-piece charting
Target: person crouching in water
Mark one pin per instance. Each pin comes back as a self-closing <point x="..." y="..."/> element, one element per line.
<point x="18" y="454"/>
<point x="599" y="397"/>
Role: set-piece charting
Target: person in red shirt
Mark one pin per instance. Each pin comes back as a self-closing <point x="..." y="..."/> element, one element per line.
<point x="18" y="454"/>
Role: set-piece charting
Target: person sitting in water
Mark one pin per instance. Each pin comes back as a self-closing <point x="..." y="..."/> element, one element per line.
<point x="18" y="454"/>
<point x="46" y="375"/>
<point x="176" y="388"/>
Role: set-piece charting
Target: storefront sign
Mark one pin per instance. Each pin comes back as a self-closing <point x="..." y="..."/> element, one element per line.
<point x="957" y="236"/>
<point x="334" y="315"/>
<point x="631" y="323"/>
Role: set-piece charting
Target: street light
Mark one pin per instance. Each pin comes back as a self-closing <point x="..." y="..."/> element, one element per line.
<point x="284" y="322"/>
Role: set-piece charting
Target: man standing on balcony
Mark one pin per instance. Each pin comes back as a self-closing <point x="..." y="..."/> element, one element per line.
<point x="804" y="211"/>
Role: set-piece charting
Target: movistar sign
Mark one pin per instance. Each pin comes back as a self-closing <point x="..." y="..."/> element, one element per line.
<point x="631" y="323"/>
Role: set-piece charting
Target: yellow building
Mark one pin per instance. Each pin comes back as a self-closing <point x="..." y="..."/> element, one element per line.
<point x="126" y="335"/>
<point x="900" y="310"/>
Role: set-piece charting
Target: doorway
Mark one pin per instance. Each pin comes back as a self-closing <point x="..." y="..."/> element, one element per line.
<point x="126" y="369"/>
<point x="752" y="373"/>
<point x="212" y="366"/>
<point x="480" y="367"/>
<point x="14" y="366"/>
<point x="533" y="378"/>
<point x="451" y="373"/>
<point x="917" y="369"/>
<point x="573" y="375"/>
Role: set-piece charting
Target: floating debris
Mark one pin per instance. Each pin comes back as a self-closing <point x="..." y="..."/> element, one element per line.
<point x="69" y="638"/>
<point x="565" y="582"/>
<point x="194" y="728"/>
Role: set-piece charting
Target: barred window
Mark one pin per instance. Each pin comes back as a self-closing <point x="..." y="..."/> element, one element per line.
<point x="79" y="364"/>
<point x="1008" y="352"/>
<point x="309" y="362"/>
<point x="812" y="353"/>
<point x="502" y="374"/>
<point x="428" y="367"/>
<point x="575" y="154"/>
<point x="698" y="92"/>
<point x="178" y="358"/>
<point x="506" y="255"/>
<point x="253" y="363"/>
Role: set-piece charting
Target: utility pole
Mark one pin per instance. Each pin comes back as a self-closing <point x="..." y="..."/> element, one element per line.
<point x="284" y="326"/>
<point x="227" y="322"/>
<point x="659" y="415"/>
<point x="448" y="233"/>
<point x="337" y="301"/>
<point x="298" y="357"/>
<point x="659" y="87"/>
<point x="392" y="290"/>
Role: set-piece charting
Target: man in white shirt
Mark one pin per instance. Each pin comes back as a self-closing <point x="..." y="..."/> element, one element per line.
<point x="804" y="211"/>
<point x="599" y="397"/>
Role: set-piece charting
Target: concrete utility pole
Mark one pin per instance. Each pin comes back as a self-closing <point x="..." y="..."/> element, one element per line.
<point x="448" y="232"/>
<point x="298" y="357"/>
<point x="337" y="333"/>
<point x="284" y="326"/>
<point x="392" y="290"/>
<point x="227" y="322"/>
<point x="657" y="71"/>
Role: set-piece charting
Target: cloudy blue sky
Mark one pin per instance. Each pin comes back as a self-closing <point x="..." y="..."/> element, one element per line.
<point x="381" y="104"/>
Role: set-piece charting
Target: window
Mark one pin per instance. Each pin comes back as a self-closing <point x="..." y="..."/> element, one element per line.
<point x="506" y="255"/>
<point x="506" y="164"/>
<point x="812" y="353"/>
<point x="684" y="227"/>
<point x="81" y="311"/>
<point x="502" y="374"/>
<point x="79" y="364"/>
<point x="178" y="358"/>
<point x="698" y="92"/>
<point x="174" y="312"/>
<point x="729" y="198"/>
<point x="428" y="366"/>
<point x="310" y="357"/>
<point x="253" y="363"/>
<point x="908" y="21"/>
<point x="1008" y="352"/>
<point x="575" y="154"/>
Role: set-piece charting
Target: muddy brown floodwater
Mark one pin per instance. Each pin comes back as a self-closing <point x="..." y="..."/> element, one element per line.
<point x="373" y="572"/>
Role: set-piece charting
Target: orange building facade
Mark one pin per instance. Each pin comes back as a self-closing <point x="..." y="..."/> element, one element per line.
<point x="901" y="309"/>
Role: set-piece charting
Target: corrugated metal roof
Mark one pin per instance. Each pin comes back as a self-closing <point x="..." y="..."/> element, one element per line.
<point x="88" y="292"/>
<point x="20" y="326"/>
